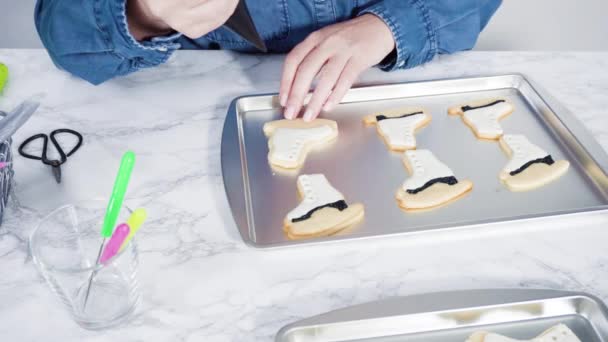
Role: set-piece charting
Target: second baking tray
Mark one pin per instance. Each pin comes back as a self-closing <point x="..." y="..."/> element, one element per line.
<point x="364" y="170"/>
<point x="453" y="316"/>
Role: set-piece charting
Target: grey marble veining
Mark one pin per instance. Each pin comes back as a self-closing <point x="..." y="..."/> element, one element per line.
<point x="199" y="281"/>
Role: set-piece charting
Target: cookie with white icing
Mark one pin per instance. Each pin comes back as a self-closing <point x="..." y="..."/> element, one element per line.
<point x="529" y="166"/>
<point x="558" y="333"/>
<point x="322" y="211"/>
<point x="290" y="141"/>
<point x="398" y="127"/>
<point x="431" y="184"/>
<point x="483" y="116"/>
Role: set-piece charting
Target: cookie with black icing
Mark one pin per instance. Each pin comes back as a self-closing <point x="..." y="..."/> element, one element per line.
<point x="431" y="184"/>
<point x="323" y="210"/>
<point x="529" y="166"/>
<point x="398" y="127"/>
<point x="483" y="117"/>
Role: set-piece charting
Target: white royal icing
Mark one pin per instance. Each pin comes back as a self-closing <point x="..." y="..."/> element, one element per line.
<point x="288" y="143"/>
<point x="523" y="151"/>
<point x="316" y="192"/>
<point x="486" y="119"/>
<point x="425" y="167"/>
<point x="400" y="132"/>
<point x="558" y="333"/>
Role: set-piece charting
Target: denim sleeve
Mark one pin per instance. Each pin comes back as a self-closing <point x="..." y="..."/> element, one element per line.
<point x="90" y="39"/>
<point x="424" y="28"/>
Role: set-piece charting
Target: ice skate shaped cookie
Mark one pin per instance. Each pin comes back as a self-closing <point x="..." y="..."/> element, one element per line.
<point x="483" y="117"/>
<point x="529" y="166"/>
<point x="558" y="333"/>
<point x="323" y="210"/>
<point x="431" y="183"/>
<point x="398" y="127"/>
<point x="290" y="141"/>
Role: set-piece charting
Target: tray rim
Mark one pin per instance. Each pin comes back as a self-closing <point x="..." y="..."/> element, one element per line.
<point x="517" y="296"/>
<point x="239" y="204"/>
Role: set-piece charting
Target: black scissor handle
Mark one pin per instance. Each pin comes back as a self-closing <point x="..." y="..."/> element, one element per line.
<point x="56" y="143"/>
<point x="45" y="142"/>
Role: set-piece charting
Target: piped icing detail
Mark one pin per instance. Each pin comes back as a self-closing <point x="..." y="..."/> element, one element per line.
<point x="400" y="131"/>
<point x="381" y="117"/>
<point x="485" y="117"/>
<point x="426" y="170"/>
<point x="340" y="205"/>
<point x="317" y="194"/>
<point x="523" y="154"/>
<point x="288" y="143"/>
<point x="467" y="108"/>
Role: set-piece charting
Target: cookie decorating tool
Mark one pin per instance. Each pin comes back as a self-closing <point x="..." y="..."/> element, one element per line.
<point x="241" y="23"/>
<point x="118" y="237"/>
<point x="118" y="194"/>
<point x="135" y="221"/>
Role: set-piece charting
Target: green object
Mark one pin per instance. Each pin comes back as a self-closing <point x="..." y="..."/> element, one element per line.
<point x="118" y="193"/>
<point x="3" y="76"/>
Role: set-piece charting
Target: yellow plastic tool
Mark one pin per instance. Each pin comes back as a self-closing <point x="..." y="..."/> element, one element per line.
<point x="134" y="222"/>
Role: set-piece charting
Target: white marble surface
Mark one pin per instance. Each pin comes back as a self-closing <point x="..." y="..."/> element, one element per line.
<point x="199" y="281"/>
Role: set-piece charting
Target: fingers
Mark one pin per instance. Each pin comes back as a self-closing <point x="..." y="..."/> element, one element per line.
<point x="308" y="69"/>
<point x="347" y="78"/>
<point x="327" y="78"/>
<point x="293" y="60"/>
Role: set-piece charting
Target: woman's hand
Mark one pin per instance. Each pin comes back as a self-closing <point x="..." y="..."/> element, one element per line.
<point x="334" y="56"/>
<point x="193" y="18"/>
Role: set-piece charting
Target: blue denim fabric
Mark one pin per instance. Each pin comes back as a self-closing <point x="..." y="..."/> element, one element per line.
<point x="90" y="38"/>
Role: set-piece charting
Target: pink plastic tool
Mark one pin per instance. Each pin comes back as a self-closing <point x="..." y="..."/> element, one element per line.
<point x="120" y="234"/>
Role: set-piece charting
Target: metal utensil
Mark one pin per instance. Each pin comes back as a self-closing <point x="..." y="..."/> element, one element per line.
<point x="55" y="164"/>
<point x="453" y="316"/>
<point x="119" y="190"/>
<point x="260" y="196"/>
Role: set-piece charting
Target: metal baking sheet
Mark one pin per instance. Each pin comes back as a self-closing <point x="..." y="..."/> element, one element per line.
<point x="453" y="316"/>
<point x="364" y="170"/>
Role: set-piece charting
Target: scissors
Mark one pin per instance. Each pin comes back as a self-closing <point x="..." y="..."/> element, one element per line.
<point x="55" y="164"/>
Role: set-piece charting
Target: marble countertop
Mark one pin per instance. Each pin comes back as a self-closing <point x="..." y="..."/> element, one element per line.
<point x="199" y="280"/>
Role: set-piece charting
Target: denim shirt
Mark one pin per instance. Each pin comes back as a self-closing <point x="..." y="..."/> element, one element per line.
<point x="90" y="38"/>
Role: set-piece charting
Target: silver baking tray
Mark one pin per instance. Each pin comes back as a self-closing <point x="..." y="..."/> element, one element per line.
<point x="364" y="170"/>
<point x="453" y="316"/>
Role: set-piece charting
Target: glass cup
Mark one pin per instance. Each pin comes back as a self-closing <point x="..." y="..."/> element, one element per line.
<point x="65" y="248"/>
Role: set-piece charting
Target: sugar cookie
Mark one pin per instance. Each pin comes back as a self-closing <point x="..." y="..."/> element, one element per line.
<point x="290" y="140"/>
<point x="529" y="166"/>
<point x="322" y="211"/>
<point x="398" y="127"/>
<point x="483" y="116"/>
<point x="558" y="333"/>
<point x="431" y="184"/>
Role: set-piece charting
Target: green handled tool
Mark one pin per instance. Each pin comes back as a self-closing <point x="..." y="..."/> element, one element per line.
<point x="3" y="76"/>
<point x="118" y="193"/>
<point x="114" y="205"/>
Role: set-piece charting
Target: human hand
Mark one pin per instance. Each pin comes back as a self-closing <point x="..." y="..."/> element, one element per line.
<point x="334" y="56"/>
<point x="193" y="18"/>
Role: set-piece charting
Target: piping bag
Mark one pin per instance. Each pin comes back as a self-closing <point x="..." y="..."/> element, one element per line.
<point x="240" y="22"/>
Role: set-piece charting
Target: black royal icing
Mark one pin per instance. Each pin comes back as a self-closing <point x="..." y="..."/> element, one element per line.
<point x="545" y="160"/>
<point x="466" y="108"/>
<point x="340" y="205"/>
<point x="384" y="117"/>
<point x="450" y="180"/>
